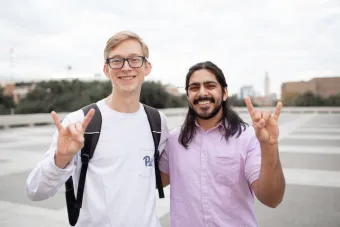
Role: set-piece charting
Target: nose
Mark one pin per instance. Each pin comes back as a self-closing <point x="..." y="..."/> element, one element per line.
<point x="203" y="91"/>
<point x="126" y="66"/>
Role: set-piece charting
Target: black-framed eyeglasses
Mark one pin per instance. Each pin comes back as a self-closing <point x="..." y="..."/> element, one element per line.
<point x="118" y="63"/>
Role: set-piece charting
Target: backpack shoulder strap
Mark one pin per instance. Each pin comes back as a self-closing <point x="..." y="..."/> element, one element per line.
<point x="92" y="131"/>
<point x="155" y="122"/>
<point x="91" y="137"/>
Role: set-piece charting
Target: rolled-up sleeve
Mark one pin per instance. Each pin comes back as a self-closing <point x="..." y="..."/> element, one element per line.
<point x="164" y="161"/>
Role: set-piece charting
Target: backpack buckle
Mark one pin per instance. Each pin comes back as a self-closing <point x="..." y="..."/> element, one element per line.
<point x="85" y="158"/>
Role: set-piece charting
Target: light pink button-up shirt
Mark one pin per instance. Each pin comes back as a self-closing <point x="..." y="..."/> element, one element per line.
<point x="210" y="182"/>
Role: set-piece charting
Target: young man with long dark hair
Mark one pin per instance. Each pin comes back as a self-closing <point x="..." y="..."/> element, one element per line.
<point x="216" y="162"/>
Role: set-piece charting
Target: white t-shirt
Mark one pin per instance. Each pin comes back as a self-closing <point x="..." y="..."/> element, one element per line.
<point x="120" y="189"/>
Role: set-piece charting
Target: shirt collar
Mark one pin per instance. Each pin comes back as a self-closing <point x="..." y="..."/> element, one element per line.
<point x="211" y="129"/>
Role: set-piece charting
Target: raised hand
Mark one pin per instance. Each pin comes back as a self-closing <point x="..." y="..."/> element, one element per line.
<point x="71" y="138"/>
<point x="265" y="124"/>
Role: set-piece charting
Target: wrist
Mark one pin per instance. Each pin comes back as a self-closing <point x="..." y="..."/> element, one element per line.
<point x="269" y="145"/>
<point x="62" y="161"/>
<point x="269" y="154"/>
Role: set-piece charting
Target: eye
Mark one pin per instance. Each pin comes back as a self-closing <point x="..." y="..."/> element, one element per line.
<point x="193" y="88"/>
<point x="115" y="60"/>
<point x="210" y="86"/>
<point x="135" y="59"/>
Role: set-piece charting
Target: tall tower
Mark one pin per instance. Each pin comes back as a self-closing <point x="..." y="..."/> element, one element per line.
<point x="266" y="85"/>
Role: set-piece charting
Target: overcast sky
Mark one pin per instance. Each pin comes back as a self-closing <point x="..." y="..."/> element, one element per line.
<point x="291" y="39"/>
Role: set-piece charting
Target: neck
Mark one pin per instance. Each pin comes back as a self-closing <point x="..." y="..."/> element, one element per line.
<point x="124" y="103"/>
<point x="210" y="123"/>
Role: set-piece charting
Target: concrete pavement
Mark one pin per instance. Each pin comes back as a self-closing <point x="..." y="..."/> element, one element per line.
<point x="309" y="151"/>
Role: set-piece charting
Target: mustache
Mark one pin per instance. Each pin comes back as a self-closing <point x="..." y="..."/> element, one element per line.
<point x="211" y="99"/>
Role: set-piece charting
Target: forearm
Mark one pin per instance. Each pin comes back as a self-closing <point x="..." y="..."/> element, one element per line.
<point x="271" y="183"/>
<point x="165" y="179"/>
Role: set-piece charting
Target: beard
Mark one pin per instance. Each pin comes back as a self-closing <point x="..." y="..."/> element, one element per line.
<point x="205" y="115"/>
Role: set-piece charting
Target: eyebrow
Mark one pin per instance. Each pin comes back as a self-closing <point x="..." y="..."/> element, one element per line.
<point x="204" y="83"/>
<point x="120" y="56"/>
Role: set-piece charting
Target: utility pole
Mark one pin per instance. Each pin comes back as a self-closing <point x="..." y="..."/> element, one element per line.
<point x="11" y="74"/>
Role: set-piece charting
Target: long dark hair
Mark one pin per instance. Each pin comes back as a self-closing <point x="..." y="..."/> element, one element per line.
<point x="231" y="122"/>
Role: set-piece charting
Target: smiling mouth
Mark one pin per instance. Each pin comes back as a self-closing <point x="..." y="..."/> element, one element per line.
<point x="204" y="102"/>
<point x="127" y="77"/>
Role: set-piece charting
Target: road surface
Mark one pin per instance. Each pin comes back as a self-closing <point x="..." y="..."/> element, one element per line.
<point x="309" y="151"/>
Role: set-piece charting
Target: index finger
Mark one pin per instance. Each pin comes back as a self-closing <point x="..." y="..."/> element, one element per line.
<point x="249" y="105"/>
<point x="56" y="120"/>
<point x="277" y="111"/>
<point x="88" y="118"/>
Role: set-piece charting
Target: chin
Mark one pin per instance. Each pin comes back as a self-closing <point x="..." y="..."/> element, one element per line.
<point x="203" y="114"/>
<point x="130" y="88"/>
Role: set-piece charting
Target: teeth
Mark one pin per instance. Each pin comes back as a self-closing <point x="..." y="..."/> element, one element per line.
<point x="127" y="77"/>
<point x="203" y="102"/>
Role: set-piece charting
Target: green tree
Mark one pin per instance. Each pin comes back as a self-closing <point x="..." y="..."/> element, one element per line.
<point x="308" y="99"/>
<point x="66" y="96"/>
<point x="6" y="103"/>
<point x="234" y="100"/>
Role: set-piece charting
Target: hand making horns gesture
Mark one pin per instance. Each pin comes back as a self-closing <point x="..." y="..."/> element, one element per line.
<point x="265" y="124"/>
<point x="71" y="138"/>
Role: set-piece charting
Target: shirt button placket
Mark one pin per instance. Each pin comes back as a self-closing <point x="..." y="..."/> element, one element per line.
<point x="204" y="179"/>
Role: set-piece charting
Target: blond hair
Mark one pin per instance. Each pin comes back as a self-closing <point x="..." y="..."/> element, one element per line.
<point x="120" y="37"/>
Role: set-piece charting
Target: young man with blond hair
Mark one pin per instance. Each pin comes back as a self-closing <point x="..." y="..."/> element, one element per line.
<point x="120" y="186"/>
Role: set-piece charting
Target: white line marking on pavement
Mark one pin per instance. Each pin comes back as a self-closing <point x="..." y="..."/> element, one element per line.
<point x="18" y="161"/>
<point x="312" y="177"/>
<point x="34" y="212"/>
<point x="288" y="127"/>
<point x="313" y="137"/>
<point x="21" y="144"/>
<point x="311" y="150"/>
<point x="317" y="129"/>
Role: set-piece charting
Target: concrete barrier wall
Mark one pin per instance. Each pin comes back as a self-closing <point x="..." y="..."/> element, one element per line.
<point x="21" y="120"/>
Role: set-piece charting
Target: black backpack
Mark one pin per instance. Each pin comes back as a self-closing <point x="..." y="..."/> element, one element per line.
<point x="91" y="137"/>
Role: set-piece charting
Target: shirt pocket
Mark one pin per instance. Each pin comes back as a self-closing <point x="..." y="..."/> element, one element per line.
<point x="227" y="170"/>
<point x="145" y="162"/>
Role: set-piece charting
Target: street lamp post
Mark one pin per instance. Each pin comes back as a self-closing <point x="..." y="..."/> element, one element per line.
<point x="11" y="74"/>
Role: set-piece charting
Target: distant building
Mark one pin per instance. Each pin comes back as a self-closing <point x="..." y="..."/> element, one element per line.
<point x="266" y="86"/>
<point x="17" y="91"/>
<point x="273" y="96"/>
<point x="247" y="90"/>
<point x="323" y="86"/>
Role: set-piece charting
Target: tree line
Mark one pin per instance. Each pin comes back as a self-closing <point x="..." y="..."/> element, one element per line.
<point x="310" y="99"/>
<point x="70" y="95"/>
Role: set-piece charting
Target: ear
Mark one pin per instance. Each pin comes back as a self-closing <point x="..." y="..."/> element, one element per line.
<point x="148" y="68"/>
<point x="106" y="71"/>
<point x="225" y="96"/>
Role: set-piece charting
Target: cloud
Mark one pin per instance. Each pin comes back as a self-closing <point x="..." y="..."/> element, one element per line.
<point x="292" y="40"/>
